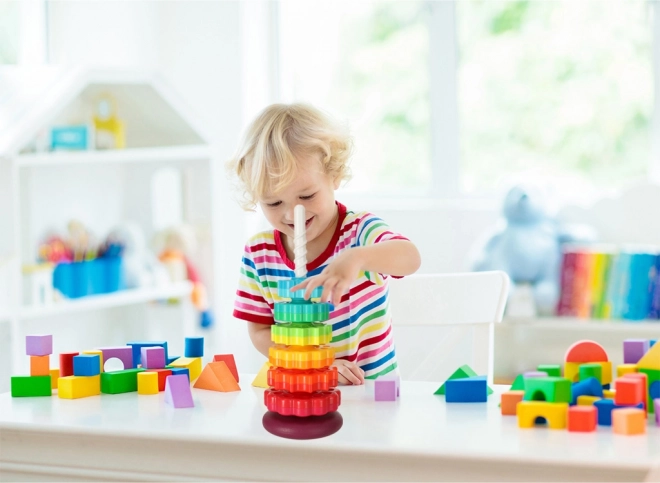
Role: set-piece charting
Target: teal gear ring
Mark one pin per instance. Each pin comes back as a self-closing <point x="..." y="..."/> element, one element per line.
<point x="284" y="289"/>
<point x="302" y="312"/>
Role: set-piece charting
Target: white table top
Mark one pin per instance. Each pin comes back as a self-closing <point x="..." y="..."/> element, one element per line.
<point x="419" y="437"/>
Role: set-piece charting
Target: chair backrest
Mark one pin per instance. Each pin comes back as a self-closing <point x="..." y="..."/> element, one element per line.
<point x="442" y="321"/>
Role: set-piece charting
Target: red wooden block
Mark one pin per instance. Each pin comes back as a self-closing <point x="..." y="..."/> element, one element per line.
<point x="586" y="351"/>
<point x="629" y="391"/>
<point x="229" y="360"/>
<point x="66" y="363"/>
<point x="582" y="418"/>
<point x="162" y="377"/>
<point x="644" y="377"/>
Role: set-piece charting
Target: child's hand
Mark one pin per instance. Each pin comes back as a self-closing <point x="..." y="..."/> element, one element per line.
<point x="336" y="278"/>
<point x="349" y="372"/>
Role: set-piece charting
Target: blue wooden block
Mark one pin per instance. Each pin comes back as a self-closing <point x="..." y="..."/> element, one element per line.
<point x="137" y="350"/>
<point x="654" y="390"/>
<point x="172" y="359"/>
<point x="86" y="365"/>
<point x="180" y="370"/>
<point x="587" y="387"/>
<point x="605" y="408"/>
<point x="194" y="347"/>
<point x="652" y="342"/>
<point x="470" y="389"/>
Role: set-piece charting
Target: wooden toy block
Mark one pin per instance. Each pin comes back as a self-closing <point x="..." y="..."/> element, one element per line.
<point x="634" y="350"/>
<point x="119" y="382"/>
<point x="136" y="348"/>
<point x="582" y="418"/>
<point x="76" y="387"/>
<point x="194" y="347"/>
<point x="587" y="387"/>
<point x="650" y="360"/>
<point x="172" y="359"/>
<point x="123" y="353"/>
<point x="622" y="369"/>
<point x="654" y="390"/>
<point x="652" y="376"/>
<point x="261" y="379"/>
<point x="590" y="370"/>
<point x="470" y="389"/>
<point x="152" y="357"/>
<point x="193" y="364"/>
<point x="178" y="393"/>
<point x="391" y="376"/>
<point x="646" y="389"/>
<point x="86" y="365"/>
<point x="98" y="353"/>
<point x="572" y="371"/>
<point x="656" y="406"/>
<point x="629" y="391"/>
<point x="549" y="389"/>
<point x="518" y="383"/>
<point x="147" y="383"/>
<point x="629" y="421"/>
<point x="38" y="345"/>
<point x="552" y="370"/>
<point x="177" y="371"/>
<point x="384" y="390"/>
<point x="54" y="376"/>
<point x="40" y="365"/>
<point x="509" y="401"/>
<point x="586" y="351"/>
<point x="460" y="373"/>
<point x="528" y="374"/>
<point x="216" y="376"/>
<point x="609" y="393"/>
<point x="66" y="363"/>
<point x="30" y="386"/>
<point x="231" y="363"/>
<point x="606" y="372"/>
<point x="162" y="377"/>
<point x="587" y="400"/>
<point x="554" y="413"/>
<point x="605" y="408"/>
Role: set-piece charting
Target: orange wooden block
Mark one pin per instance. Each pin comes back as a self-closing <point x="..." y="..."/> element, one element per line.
<point x="40" y="365"/>
<point x="582" y="419"/>
<point x="54" y="376"/>
<point x="586" y="351"/>
<point x="216" y="376"/>
<point x="229" y="360"/>
<point x="629" y="421"/>
<point x="509" y="401"/>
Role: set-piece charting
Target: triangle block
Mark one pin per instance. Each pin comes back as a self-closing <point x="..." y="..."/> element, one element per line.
<point x="650" y="360"/>
<point x="262" y="377"/>
<point x="229" y="360"/>
<point x="518" y="383"/>
<point x="216" y="376"/>
<point x="177" y="392"/>
<point x="462" y="372"/>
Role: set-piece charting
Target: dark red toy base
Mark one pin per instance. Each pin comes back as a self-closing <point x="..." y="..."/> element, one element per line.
<point x="294" y="427"/>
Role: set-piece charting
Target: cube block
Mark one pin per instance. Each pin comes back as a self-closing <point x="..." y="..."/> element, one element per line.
<point x="605" y="409"/>
<point x="629" y="421"/>
<point x="30" y="386"/>
<point x="98" y="353"/>
<point x="152" y="357"/>
<point x="136" y="348"/>
<point x="548" y="389"/>
<point x="509" y="402"/>
<point x="38" y="345"/>
<point x="582" y="418"/>
<point x="634" y="349"/>
<point x="590" y="370"/>
<point x="86" y="365"/>
<point x="66" y="363"/>
<point x="147" y="383"/>
<point x="385" y="390"/>
<point x="40" y="365"/>
<point x="629" y="391"/>
<point x="75" y="387"/>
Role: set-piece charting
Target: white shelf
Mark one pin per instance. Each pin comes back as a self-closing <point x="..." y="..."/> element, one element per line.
<point x="118" y="156"/>
<point x="577" y="324"/>
<point x="116" y="299"/>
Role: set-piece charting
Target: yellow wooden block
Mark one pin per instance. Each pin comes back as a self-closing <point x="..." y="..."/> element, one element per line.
<point x="650" y="360"/>
<point x="74" y="387"/>
<point x="556" y="414"/>
<point x="193" y="364"/>
<point x="147" y="382"/>
<point x="100" y="354"/>
<point x="262" y="377"/>
<point x="609" y="393"/>
<point x="54" y="376"/>
<point x="572" y="371"/>
<point x="587" y="400"/>
<point x="622" y="369"/>
<point x="40" y="365"/>
<point x="606" y="372"/>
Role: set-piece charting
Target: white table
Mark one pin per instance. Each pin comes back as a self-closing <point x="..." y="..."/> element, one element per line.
<point x="420" y="437"/>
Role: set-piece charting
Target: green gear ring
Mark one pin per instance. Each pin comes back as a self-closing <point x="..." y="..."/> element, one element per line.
<point x="284" y="289"/>
<point x="301" y="334"/>
<point x="302" y="312"/>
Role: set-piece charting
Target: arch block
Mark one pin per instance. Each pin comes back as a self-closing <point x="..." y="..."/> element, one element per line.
<point x="554" y="413"/>
<point x="548" y="389"/>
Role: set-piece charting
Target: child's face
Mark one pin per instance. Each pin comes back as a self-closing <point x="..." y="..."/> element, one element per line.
<point x="313" y="189"/>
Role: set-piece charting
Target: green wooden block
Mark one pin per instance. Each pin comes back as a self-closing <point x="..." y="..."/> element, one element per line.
<point x="304" y="311"/>
<point x="549" y="389"/>
<point x="118" y="382"/>
<point x="518" y="383"/>
<point x="552" y="370"/>
<point x="652" y="375"/>
<point x="591" y="370"/>
<point x="461" y="373"/>
<point x="31" y="386"/>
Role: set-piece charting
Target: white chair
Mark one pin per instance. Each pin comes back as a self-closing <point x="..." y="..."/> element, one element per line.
<point x="442" y="321"/>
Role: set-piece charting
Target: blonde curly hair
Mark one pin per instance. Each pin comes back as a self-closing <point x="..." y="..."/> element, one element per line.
<point x="269" y="156"/>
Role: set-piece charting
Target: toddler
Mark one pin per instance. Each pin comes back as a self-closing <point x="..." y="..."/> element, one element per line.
<point x="295" y="154"/>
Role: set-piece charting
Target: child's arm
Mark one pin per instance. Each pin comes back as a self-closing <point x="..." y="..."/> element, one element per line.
<point x="260" y="336"/>
<point x="393" y="257"/>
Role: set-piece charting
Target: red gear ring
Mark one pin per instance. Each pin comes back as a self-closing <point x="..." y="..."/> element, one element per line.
<point x="302" y="404"/>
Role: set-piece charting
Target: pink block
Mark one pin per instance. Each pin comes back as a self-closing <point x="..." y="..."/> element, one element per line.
<point x="123" y="353"/>
<point x="535" y="374"/>
<point x="656" y="407"/>
<point x="177" y="392"/>
<point x="153" y="357"/>
<point x="385" y="390"/>
<point x="38" y="345"/>
<point x="392" y="377"/>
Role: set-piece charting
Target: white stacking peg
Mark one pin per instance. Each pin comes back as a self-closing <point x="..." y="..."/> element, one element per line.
<point x="299" y="241"/>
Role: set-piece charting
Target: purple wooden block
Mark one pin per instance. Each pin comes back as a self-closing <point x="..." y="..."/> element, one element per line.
<point x="153" y="357"/>
<point x="393" y="377"/>
<point x="177" y="392"/>
<point x="38" y="345"/>
<point x="123" y="353"/>
<point x="634" y="349"/>
<point x="656" y="408"/>
<point x="385" y="390"/>
<point x="535" y="374"/>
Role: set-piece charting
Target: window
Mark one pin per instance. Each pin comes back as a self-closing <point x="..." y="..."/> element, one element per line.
<point x="9" y="32"/>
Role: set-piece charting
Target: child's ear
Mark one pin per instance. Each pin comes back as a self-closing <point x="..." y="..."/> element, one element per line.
<point x="336" y="182"/>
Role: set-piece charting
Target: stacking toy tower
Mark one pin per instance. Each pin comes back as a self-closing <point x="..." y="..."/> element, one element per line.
<point x="301" y="382"/>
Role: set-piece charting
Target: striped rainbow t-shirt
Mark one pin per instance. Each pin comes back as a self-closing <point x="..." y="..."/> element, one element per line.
<point x="361" y="323"/>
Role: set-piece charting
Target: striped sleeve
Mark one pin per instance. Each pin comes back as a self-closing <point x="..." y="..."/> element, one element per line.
<point x="250" y="304"/>
<point x="372" y="230"/>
